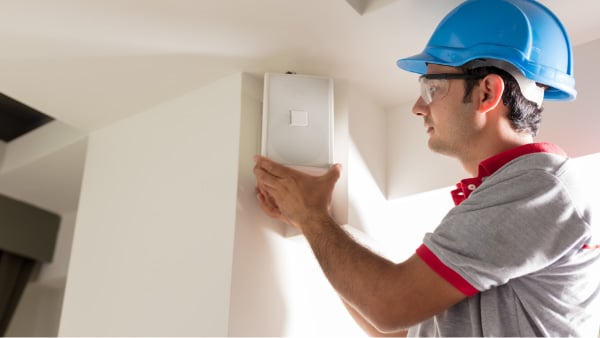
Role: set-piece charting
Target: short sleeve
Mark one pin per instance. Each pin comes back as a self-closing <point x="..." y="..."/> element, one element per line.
<point x="512" y="225"/>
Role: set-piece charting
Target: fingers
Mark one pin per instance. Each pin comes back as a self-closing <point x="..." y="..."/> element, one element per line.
<point x="265" y="180"/>
<point x="262" y="172"/>
<point x="267" y="204"/>
<point x="269" y="207"/>
<point x="279" y="170"/>
<point x="272" y="167"/>
<point x="288" y="195"/>
<point x="272" y="175"/>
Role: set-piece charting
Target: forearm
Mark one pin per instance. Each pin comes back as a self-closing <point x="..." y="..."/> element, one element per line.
<point x="367" y="327"/>
<point x="358" y="275"/>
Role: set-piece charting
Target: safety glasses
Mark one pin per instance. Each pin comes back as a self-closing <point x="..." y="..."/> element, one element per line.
<point x="435" y="86"/>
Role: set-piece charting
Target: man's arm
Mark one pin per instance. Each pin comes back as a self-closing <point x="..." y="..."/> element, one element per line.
<point x="391" y="297"/>
<point x="367" y="327"/>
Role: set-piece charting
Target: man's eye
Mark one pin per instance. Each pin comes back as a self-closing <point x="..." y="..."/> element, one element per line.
<point x="433" y="90"/>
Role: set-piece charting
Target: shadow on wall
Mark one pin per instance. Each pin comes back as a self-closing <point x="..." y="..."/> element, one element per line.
<point x="366" y="198"/>
<point x="257" y="305"/>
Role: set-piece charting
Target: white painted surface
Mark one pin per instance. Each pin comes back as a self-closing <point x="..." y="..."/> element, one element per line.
<point x="412" y="167"/>
<point x="51" y="181"/>
<point x="297" y="126"/>
<point x="153" y="246"/>
<point x="257" y="306"/>
<point x="367" y="150"/>
<point x="39" y="143"/>
<point x="574" y="125"/>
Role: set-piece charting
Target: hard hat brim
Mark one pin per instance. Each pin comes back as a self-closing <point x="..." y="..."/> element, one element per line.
<point x="418" y="64"/>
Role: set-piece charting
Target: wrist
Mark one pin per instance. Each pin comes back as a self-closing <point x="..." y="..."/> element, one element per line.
<point x="313" y="222"/>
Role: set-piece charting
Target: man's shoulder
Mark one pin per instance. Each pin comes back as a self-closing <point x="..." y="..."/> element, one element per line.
<point x="536" y="170"/>
<point x="547" y="162"/>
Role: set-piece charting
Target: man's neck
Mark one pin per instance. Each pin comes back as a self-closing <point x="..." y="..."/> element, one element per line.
<point x="471" y="161"/>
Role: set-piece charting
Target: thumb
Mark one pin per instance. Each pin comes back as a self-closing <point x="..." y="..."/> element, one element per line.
<point x="334" y="172"/>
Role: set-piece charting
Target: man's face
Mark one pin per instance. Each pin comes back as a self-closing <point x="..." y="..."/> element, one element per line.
<point x="449" y="121"/>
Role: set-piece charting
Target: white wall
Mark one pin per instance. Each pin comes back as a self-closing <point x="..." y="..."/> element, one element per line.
<point x="412" y="167"/>
<point x="42" y="142"/>
<point x="574" y="125"/>
<point x="257" y="306"/>
<point x="153" y="246"/>
<point x="367" y="164"/>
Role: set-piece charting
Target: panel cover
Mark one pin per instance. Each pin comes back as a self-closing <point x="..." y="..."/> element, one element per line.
<point x="287" y="99"/>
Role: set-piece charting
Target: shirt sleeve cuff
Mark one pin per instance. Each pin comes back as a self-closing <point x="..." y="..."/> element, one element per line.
<point x="445" y="272"/>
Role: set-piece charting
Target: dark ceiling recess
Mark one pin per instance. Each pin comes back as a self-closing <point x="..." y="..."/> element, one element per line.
<point x="17" y="118"/>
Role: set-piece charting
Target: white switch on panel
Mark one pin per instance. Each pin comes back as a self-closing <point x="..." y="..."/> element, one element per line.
<point x="298" y="118"/>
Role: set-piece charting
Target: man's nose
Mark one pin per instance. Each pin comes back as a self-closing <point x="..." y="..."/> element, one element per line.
<point x="420" y="108"/>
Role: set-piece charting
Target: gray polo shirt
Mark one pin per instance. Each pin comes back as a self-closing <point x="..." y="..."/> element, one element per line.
<point x="522" y="248"/>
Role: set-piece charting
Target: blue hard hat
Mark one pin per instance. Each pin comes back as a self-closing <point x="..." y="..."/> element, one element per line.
<point x="523" y="33"/>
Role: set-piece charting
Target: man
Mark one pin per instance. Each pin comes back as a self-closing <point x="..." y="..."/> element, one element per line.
<point x="517" y="255"/>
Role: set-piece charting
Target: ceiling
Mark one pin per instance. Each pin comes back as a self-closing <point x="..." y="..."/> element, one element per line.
<point x="90" y="63"/>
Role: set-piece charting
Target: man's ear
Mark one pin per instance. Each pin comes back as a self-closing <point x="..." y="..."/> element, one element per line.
<point x="492" y="88"/>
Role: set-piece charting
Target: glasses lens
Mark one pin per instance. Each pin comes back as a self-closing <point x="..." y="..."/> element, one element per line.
<point x="432" y="89"/>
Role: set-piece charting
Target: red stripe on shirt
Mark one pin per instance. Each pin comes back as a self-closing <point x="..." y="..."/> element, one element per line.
<point x="445" y="272"/>
<point x="591" y="246"/>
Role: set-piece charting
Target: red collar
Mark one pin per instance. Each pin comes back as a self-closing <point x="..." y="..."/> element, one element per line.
<point x="489" y="166"/>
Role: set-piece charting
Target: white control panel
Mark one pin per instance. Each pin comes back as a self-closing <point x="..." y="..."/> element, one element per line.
<point x="298" y="120"/>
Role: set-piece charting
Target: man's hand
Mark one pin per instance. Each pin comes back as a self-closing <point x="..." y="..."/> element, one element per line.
<point x="293" y="196"/>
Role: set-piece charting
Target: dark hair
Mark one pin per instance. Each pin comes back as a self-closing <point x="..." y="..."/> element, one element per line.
<point x="523" y="114"/>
